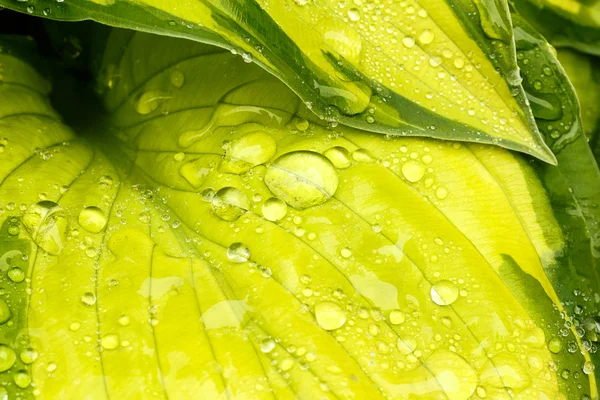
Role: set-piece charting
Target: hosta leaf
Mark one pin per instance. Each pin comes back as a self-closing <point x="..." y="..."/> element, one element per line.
<point x="573" y="184"/>
<point x="156" y="260"/>
<point x="571" y="23"/>
<point x="444" y="69"/>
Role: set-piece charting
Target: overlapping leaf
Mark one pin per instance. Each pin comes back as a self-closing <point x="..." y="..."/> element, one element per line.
<point x="161" y="263"/>
<point x="444" y="69"/>
<point x="571" y="23"/>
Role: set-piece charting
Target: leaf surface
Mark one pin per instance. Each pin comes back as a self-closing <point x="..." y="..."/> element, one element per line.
<point x="160" y="262"/>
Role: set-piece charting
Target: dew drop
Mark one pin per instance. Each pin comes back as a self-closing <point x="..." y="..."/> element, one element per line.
<point x="22" y="379"/>
<point x="177" y="78"/>
<point x="149" y="101"/>
<point x="274" y="209"/>
<point x="230" y="203"/>
<point x="5" y="312"/>
<point x="302" y="179"/>
<point x="588" y="368"/>
<point x="413" y="171"/>
<point x="238" y="252"/>
<point x="330" y="316"/>
<point x="397" y="317"/>
<point x="16" y="274"/>
<point x="247" y="152"/>
<point x="28" y="356"/>
<point x="339" y="157"/>
<point x="47" y="224"/>
<point x="441" y="193"/>
<point x="124" y="320"/>
<point x="444" y="293"/>
<point x="92" y="219"/>
<point x="88" y="298"/>
<point x="408" y="41"/>
<point x="7" y="357"/>
<point x="555" y="345"/>
<point x="267" y="345"/>
<point x="346" y="252"/>
<point x="353" y="14"/>
<point x="110" y="342"/>
<point x="426" y="36"/>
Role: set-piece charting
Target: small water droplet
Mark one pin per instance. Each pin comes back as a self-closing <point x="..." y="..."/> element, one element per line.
<point x="330" y="316"/>
<point x="339" y="157"/>
<point x="22" y="379"/>
<point x="230" y="203"/>
<point x="88" y="298"/>
<point x="16" y="274"/>
<point x="47" y="224"/>
<point x="92" y="219"/>
<point x="267" y="345"/>
<point x="426" y="36"/>
<point x="274" y="209"/>
<point x="346" y="252"/>
<point x="147" y="102"/>
<point x="353" y="14"/>
<point x="7" y="357"/>
<point x="413" y="170"/>
<point x="177" y="78"/>
<point x="238" y="252"/>
<point x="408" y="41"/>
<point x="588" y="368"/>
<point x="110" y="342"/>
<point x="28" y="356"/>
<point x="397" y="317"/>
<point x="555" y="345"/>
<point x="444" y="293"/>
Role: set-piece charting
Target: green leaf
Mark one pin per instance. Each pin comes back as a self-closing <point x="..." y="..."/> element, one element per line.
<point x="570" y="23"/>
<point x="444" y="69"/>
<point x="159" y="262"/>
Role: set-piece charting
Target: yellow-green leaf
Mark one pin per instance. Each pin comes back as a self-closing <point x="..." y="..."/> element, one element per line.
<point x="444" y="69"/>
<point x="395" y="268"/>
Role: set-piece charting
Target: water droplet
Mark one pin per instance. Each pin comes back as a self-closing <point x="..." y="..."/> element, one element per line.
<point x="5" y="312"/>
<point x="346" y="252"/>
<point x="179" y="156"/>
<point x="238" y="252"/>
<point x="267" y="345"/>
<point x="22" y="379"/>
<point x="274" y="209"/>
<point x="406" y="345"/>
<point x="362" y="155"/>
<point x="247" y="152"/>
<point x="339" y="157"/>
<point x="555" y="345"/>
<point x="408" y="41"/>
<point x="330" y="316"/>
<point x="92" y="219"/>
<point x="124" y="320"/>
<point x="110" y="342"/>
<point x="88" y="298"/>
<point x="177" y="78"/>
<point x="413" y="171"/>
<point x="353" y="14"/>
<point x="444" y="293"/>
<point x="397" y="317"/>
<point x="441" y="193"/>
<point x="7" y="357"/>
<point x="302" y="179"/>
<point x="286" y="364"/>
<point x="588" y="368"/>
<point x="230" y="203"/>
<point x="28" y="356"/>
<point x="426" y="36"/>
<point x="16" y="274"/>
<point x="149" y="101"/>
<point x="47" y="224"/>
<point x="195" y="172"/>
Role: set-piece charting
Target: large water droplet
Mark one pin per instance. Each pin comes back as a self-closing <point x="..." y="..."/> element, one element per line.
<point x="230" y="203"/>
<point x="47" y="224"/>
<point x="302" y="179"/>
<point x="28" y="356"/>
<point x="555" y="345"/>
<point x="22" y="379"/>
<point x="7" y="357"/>
<point x="444" y="293"/>
<point x="177" y="78"/>
<point x="92" y="219"/>
<point x="330" y="315"/>
<point x="248" y="151"/>
<point x="5" y="313"/>
<point x="110" y="342"/>
<point x="16" y="274"/>
<point x="274" y="209"/>
<point x="88" y="298"/>
<point x="238" y="252"/>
